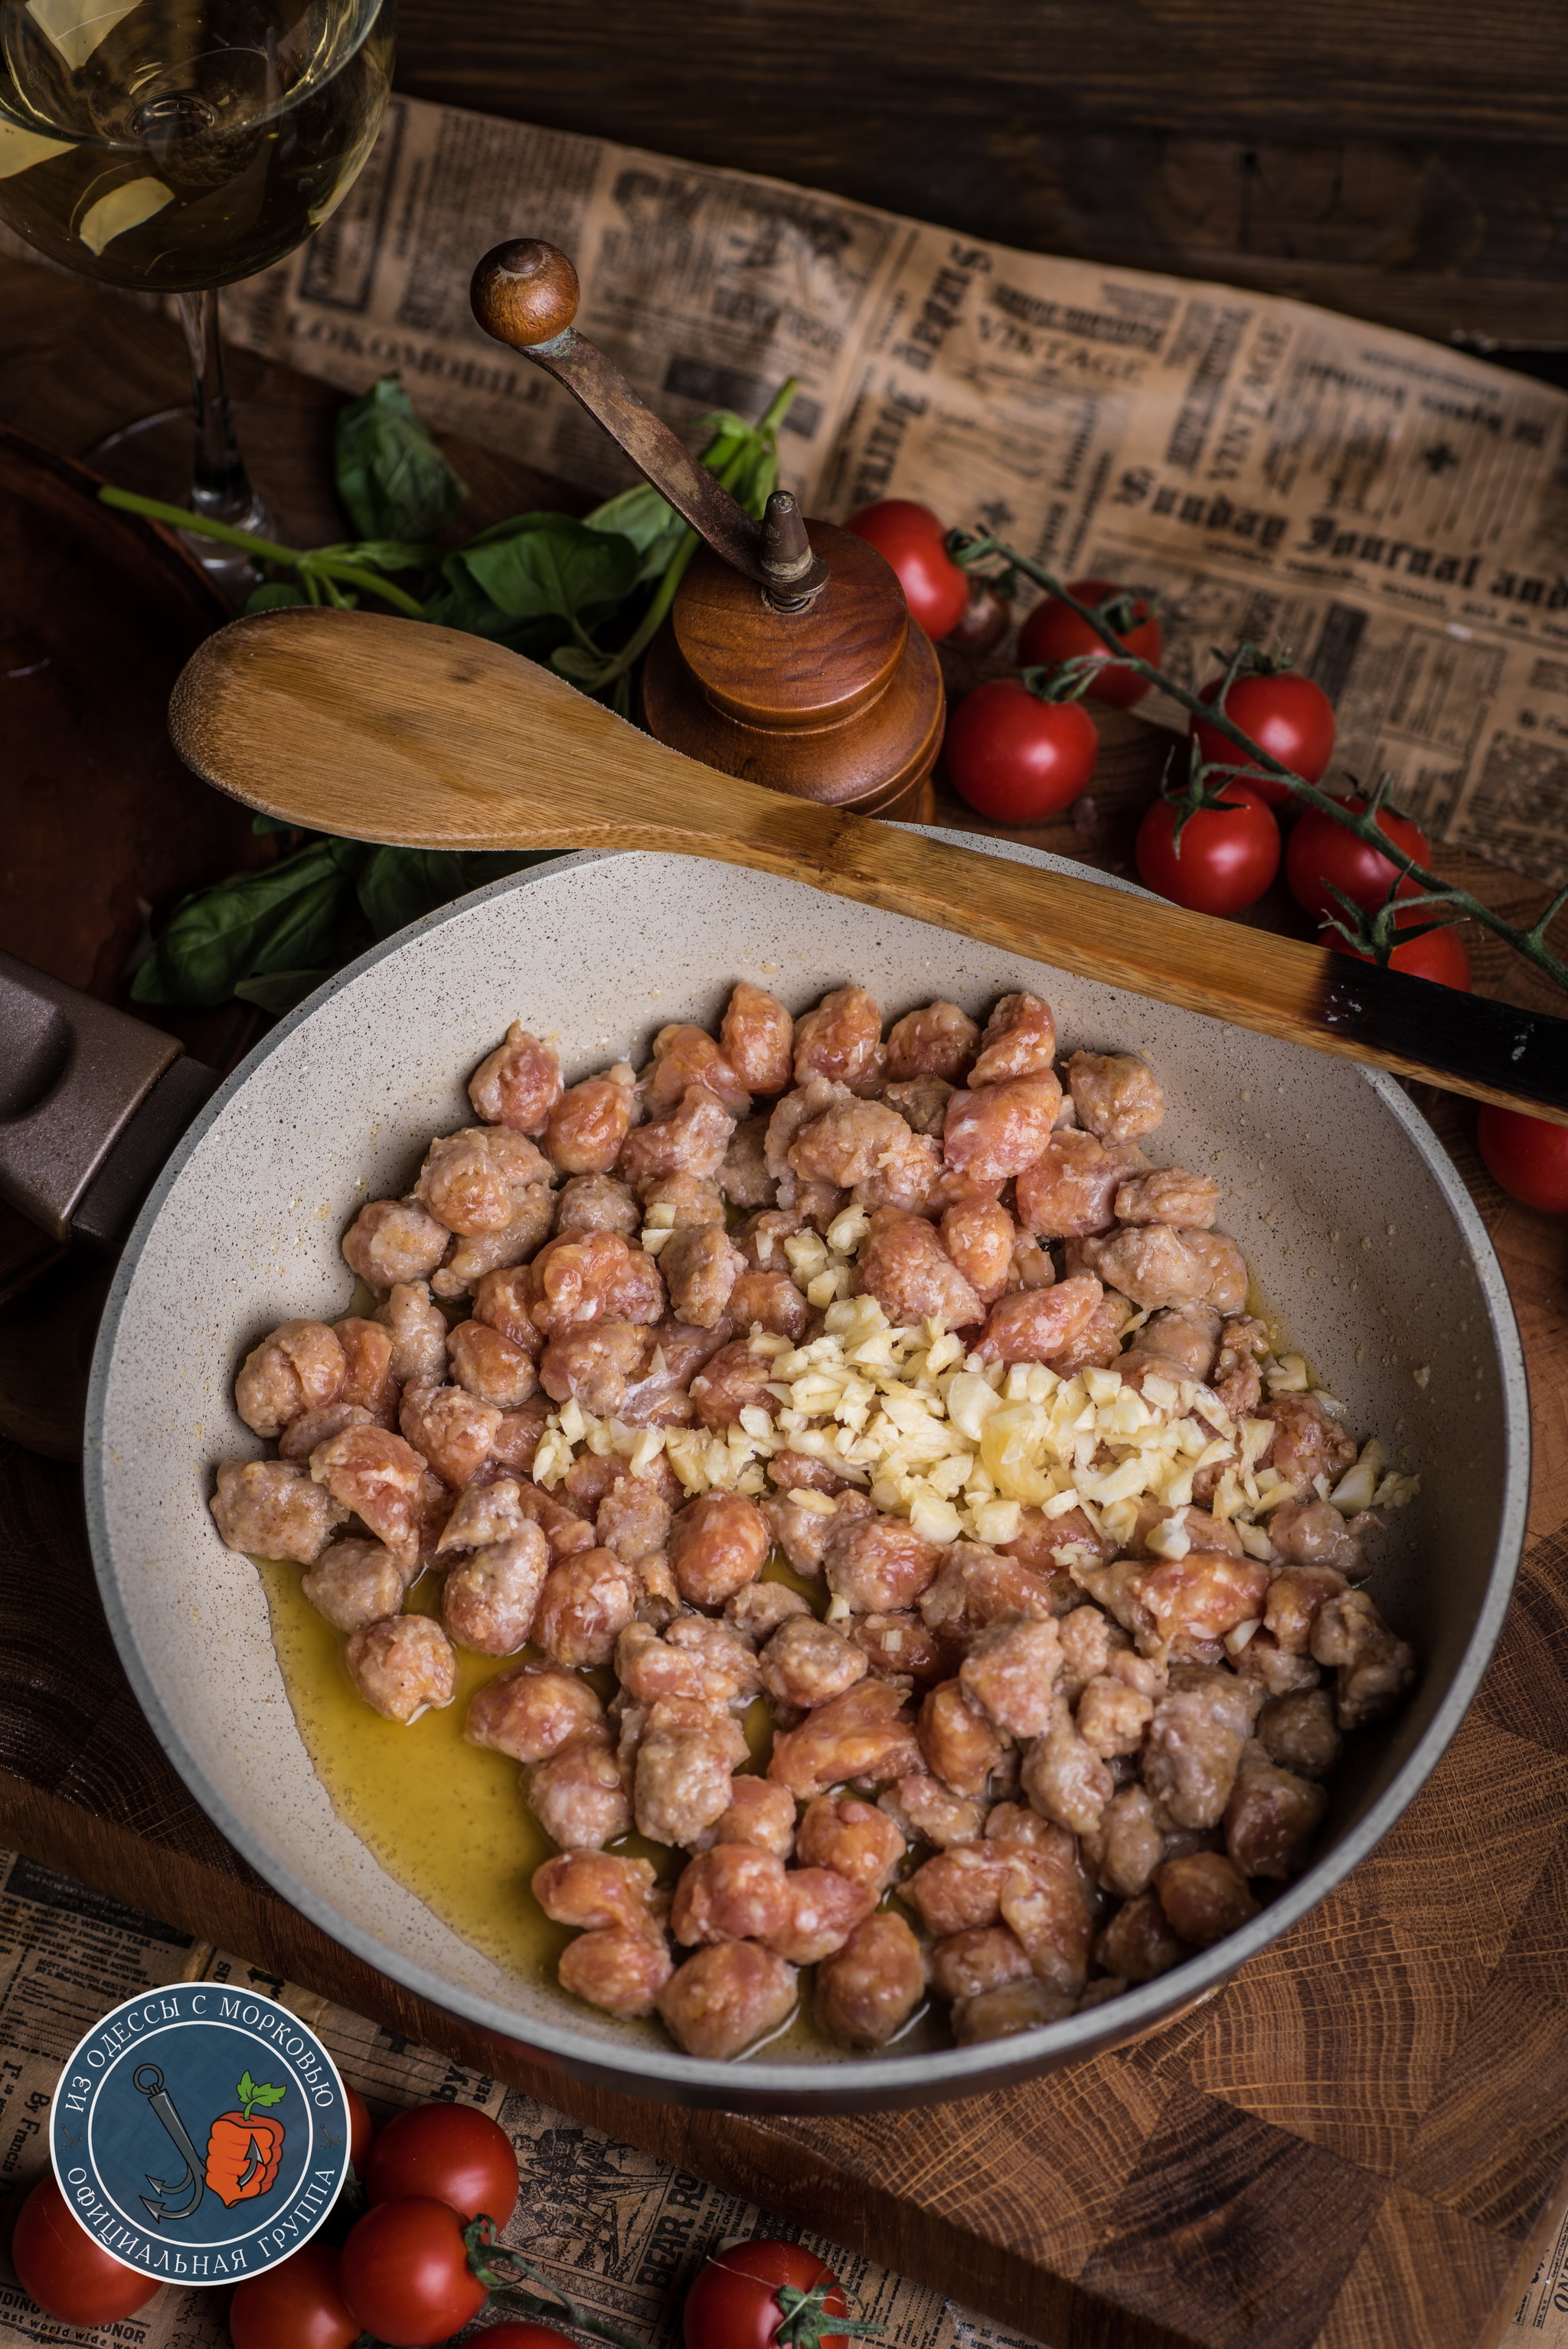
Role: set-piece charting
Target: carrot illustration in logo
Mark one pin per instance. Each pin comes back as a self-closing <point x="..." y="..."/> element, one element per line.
<point x="243" y="2152"/>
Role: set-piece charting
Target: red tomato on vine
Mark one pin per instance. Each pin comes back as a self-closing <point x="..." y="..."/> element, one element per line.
<point x="59" y="2265"/>
<point x="295" y="2306"/>
<point x="1285" y="714"/>
<point x="1224" y="860"/>
<point x="1439" y="955"/>
<point x="744" y="2293"/>
<point x="1323" y="855"/>
<point x="1053" y="632"/>
<point x="1016" y="755"/>
<point x="1528" y="1155"/>
<point x="912" y="540"/>
<point x="405" y="2274"/>
<point x="451" y="2152"/>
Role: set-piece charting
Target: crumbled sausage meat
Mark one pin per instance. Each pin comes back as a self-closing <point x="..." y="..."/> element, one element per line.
<point x="1204" y="1896"/>
<point x="394" y="1240"/>
<point x="727" y="1997"/>
<point x="489" y="1603"/>
<point x="301" y="1367"/>
<point x="905" y="1268"/>
<point x="1011" y="1672"/>
<point x="470" y="1181"/>
<point x="806" y="1662"/>
<point x="1064" y="1777"/>
<point x="1067" y="1191"/>
<point x="622" y="1973"/>
<point x="980" y="1236"/>
<point x="940" y="1040"/>
<point x="821" y="1910"/>
<point x="684" y="1056"/>
<point x="490" y="1367"/>
<point x="402" y="1665"/>
<point x="1117" y="1096"/>
<point x="519" y="1084"/>
<point x="700" y="1268"/>
<point x="870" y="1988"/>
<point x="1194" y="1745"/>
<point x="961" y="1745"/>
<point x="418" y="1332"/>
<point x="453" y="1430"/>
<point x="597" y="1203"/>
<point x="272" y="1508"/>
<point x="1034" y="1324"/>
<point x="355" y="1582"/>
<point x="1128" y="1845"/>
<point x="580" y="1796"/>
<point x="732" y="1892"/>
<point x="864" y="1737"/>
<point x="586" y="1602"/>
<point x="992" y="1135"/>
<point x="758" y="1039"/>
<point x="877" y="1564"/>
<point x="1271" y="1819"/>
<point x="531" y="1714"/>
<point x="855" y="1839"/>
<point x="588" y="1126"/>
<point x="1169" y="1195"/>
<point x="685" y="1760"/>
<point x="1020" y="1041"/>
<point x="1296" y="1729"/>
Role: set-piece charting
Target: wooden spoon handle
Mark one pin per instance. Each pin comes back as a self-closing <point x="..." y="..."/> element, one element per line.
<point x="368" y="726"/>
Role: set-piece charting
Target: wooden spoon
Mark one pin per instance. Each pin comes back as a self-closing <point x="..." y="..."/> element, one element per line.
<point x="368" y="726"/>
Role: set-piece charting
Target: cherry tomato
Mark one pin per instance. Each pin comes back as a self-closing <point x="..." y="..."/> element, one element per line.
<point x="69" y="2275"/>
<point x="912" y="540"/>
<point x="1053" y="632"/>
<point x="1227" y="856"/>
<point x="1528" y="1155"/>
<point x="451" y="2152"/>
<point x="361" y="2129"/>
<point x="1439" y="955"/>
<point x="1321" y="852"/>
<point x="1286" y="715"/>
<point x="984" y="618"/>
<point x="1017" y="757"/>
<point x="295" y="2306"/>
<point x="734" y="2302"/>
<point x="405" y="2274"/>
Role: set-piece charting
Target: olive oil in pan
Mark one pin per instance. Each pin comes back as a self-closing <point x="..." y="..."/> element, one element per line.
<point x="447" y="1820"/>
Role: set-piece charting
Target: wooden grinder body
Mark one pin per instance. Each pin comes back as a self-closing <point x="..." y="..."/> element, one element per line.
<point x="841" y="703"/>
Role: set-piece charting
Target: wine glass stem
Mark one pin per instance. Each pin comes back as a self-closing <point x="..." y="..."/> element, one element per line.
<point x="221" y="487"/>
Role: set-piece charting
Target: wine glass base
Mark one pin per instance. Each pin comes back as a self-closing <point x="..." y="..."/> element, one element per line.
<point x="152" y="455"/>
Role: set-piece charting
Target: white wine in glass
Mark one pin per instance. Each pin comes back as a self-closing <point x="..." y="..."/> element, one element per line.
<point x="175" y="146"/>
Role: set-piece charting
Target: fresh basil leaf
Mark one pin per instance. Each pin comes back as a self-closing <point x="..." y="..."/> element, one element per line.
<point x="275" y="596"/>
<point x="400" y="886"/>
<point x="548" y="565"/>
<point x="650" y="521"/>
<point x="462" y="603"/>
<point x="278" y="991"/>
<point x="392" y="479"/>
<point x="385" y="554"/>
<point x="298" y="913"/>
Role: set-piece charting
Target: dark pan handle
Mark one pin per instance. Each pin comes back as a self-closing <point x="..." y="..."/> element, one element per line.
<point x="91" y="1104"/>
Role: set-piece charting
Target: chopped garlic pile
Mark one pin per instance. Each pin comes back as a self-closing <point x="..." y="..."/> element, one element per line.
<point x="962" y="1447"/>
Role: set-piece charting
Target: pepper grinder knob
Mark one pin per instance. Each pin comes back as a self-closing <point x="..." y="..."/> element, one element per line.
<point x="525" y="293"/>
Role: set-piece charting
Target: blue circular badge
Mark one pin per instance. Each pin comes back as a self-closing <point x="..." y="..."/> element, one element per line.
<point x="201" y="2132"/>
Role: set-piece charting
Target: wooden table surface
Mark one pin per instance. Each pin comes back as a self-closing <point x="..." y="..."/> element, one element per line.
<point x="1349" y="2145"/>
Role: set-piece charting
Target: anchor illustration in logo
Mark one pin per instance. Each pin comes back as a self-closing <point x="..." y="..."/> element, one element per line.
<point x="243" y="2152"/>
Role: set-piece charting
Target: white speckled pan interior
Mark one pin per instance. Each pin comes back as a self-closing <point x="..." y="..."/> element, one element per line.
<point x="1362" y="1236"/>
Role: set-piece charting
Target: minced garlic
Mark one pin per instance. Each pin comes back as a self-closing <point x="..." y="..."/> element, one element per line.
<point x="961" y="1447"/>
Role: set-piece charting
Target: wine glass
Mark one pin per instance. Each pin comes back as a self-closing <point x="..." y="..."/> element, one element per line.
<point x="175" y="146"/>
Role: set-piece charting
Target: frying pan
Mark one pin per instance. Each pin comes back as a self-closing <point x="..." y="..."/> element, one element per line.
<point x="1364" y="1242"/>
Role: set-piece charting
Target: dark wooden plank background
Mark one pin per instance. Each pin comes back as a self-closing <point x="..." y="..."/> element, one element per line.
<point x="1401" y="160"/>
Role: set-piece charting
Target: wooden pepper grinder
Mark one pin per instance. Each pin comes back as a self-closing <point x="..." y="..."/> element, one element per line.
<point x="789" y="657"/>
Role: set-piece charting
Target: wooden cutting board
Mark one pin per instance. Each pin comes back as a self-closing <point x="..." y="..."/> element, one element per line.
<point x="1347" y="2147"/>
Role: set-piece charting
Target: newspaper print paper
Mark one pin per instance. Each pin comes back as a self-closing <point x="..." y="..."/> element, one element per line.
<point x="1393" y="513"/>
<point x="617" y="2229"/>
